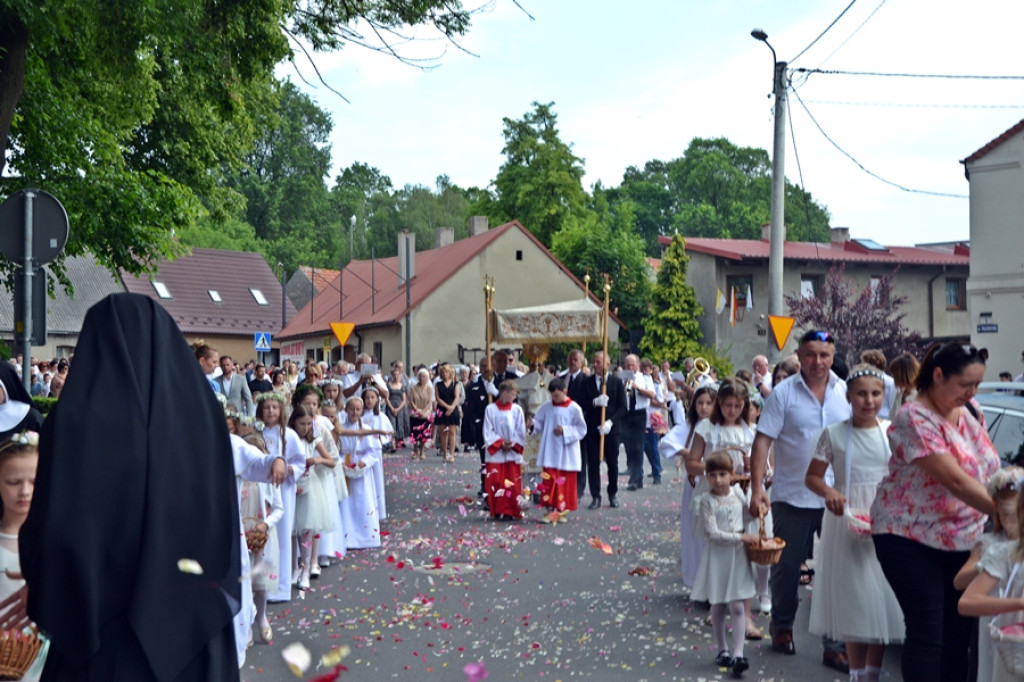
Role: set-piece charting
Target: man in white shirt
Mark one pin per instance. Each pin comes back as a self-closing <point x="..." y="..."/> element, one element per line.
<point x="793" y="417"/>
<point x="639" y="391"/>
<point x="762" y="375"/>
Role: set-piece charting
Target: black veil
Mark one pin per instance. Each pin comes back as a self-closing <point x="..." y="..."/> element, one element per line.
<point x="135" y="473"/>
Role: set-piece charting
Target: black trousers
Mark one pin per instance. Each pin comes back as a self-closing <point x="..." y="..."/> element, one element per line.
<point x="633" y="430"/>
<point x="590" y="474"/>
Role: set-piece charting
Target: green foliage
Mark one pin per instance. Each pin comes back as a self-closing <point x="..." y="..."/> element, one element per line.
<point x="540" y="183"/>
<point x="716" y="189"/>
<point x="717" y="358"/>
<point x="43" y="404"/>
<point x="599" y="241"/>
<point x="143" y="117"/>
<point x="671" y="330"/>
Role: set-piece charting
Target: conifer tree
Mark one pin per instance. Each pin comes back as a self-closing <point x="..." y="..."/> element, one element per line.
<point x="671" y="331"/>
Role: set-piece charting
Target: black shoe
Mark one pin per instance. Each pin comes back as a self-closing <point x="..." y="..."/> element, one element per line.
<point x="596" y="504"/>
<point x="631" y="486"/>
<point x="657" y="481"/>
<point x="739" y="664"/>
<point x="613" y="503"/>
<point x="723" y="659"/>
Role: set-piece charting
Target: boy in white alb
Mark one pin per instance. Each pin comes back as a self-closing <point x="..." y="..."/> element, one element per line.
<point x="504" y="441"/>
<point x="561" y="426"/>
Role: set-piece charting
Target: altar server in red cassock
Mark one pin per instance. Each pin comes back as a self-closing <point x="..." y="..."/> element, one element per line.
<point x="505" y="438"/>
<point x="561" y="426"/>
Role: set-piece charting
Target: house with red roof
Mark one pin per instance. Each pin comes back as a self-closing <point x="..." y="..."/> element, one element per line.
<point x="933" y="277"/>
<point x="223" y="297"/>
<point x="995" y="288"/>
<point x="425" y="306"/>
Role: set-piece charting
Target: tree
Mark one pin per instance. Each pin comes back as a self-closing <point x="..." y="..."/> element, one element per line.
<point x="858" y="320"/>
<point x="716" y="189"/>
<point x="671" y="329"/>
<point x="540" y="183"/>
<point x="133" y="113"/>
<point x="601" y="241"/>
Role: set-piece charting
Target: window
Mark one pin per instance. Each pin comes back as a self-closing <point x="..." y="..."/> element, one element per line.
<point x="519" y="254"/>
<point x="258" y="295"/>
<point x="215" y="295"/>
<point x="877" y="296"/>
<point x="738" y="285"/>
<point x="378" y="353"/>
<point x="956" y="293"/>
<point x="161" y="290"/>
<point x="809" y="285"/>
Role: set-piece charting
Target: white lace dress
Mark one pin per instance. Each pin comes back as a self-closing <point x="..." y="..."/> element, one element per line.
<point x="725" y="573"/>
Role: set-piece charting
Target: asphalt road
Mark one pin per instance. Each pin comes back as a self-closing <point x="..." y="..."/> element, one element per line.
<point x="529" y="601"/>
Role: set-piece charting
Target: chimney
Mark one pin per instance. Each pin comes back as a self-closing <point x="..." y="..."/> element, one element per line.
<point x="477" y="225"/>
<point x="840" y="235"/>
<point x="406" y="254"/>
<point x="443" y="236"/>
<point x="766" y="232"/>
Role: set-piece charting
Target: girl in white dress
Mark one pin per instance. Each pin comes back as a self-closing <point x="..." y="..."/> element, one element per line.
<point x="852" y="599"/>
<point x="375" y="419"/>
<point x="727" y="429"/>
<point x="312" y="502"/>
<point x="999" y="573"/>
<point x="261" y="508"/>
<point x="725" y="577"/>
<point x="678" y="441"/>
<point x="284" y="442"/>
<point x="359" y="509"/>
<point x="323" y="430"/>
<point x="1003" y="488"/>
<point x="18" y="460"/>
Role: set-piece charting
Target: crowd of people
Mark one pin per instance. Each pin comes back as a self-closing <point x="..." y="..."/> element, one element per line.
<point x="887" y="464"/>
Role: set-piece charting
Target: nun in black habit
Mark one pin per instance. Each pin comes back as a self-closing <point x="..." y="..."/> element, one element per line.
<point x="135" y="474"/>
<point x="16" y="411"/>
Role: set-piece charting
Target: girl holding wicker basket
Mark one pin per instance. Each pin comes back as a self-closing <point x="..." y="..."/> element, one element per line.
<point x="727" y="429"/>
<point x="725" y="577"/>
<point x="852" y="600"/>
<point x="998" y="591"/>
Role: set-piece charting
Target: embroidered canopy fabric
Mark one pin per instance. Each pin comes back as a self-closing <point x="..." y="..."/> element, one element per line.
<point x="578" y="320"/>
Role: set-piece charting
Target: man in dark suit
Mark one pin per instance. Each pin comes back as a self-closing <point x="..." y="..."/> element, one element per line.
<point x="614" y="402"/>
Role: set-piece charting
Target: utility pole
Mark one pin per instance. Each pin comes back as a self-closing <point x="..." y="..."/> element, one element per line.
<point x="777" y="236"/>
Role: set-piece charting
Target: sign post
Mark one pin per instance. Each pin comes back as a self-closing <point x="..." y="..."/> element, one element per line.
<point x="33" y="231"/>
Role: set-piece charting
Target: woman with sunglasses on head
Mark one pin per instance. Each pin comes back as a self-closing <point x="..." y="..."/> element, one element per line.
<point x="931" y="508"/>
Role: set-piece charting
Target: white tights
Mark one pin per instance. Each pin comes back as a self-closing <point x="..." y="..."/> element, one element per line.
<point x="739" y="625"/>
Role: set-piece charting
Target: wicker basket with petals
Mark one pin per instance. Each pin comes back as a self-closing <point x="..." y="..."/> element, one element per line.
<point x="255" y="539"/>
<point x="766" y="551"/>
<point x="18" y="650"/>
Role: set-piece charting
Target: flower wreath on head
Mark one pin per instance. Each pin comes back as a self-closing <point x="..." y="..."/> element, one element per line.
<point x="332" y="380"/>
<point x="26" y="438"/>
<point x="245" y="419"/>
<point x="272" y="395"/>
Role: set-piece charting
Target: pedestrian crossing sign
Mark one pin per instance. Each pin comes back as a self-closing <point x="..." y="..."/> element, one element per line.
<point x="262" y="341"/>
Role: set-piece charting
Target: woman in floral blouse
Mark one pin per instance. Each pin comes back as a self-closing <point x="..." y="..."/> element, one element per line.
<point x="931" y="507"/>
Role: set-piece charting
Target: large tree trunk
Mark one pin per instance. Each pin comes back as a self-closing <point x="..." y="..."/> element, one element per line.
<point x="13" y="44"/>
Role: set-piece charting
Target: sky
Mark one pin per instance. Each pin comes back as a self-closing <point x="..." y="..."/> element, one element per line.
<point x="633" y="82"/>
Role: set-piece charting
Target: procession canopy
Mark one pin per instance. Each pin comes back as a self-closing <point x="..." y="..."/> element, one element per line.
<point x="571" y="321"/>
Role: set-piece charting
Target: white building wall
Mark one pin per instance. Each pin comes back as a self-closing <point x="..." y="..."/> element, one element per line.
<point x="996" y="284"/>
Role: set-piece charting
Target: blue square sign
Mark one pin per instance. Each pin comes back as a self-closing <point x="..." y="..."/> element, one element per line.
<point x="263" y="341"/>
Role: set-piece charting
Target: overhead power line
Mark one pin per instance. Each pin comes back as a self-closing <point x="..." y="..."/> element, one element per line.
<point x="863" y="167"/>
<point x="911" y="105"/>
<point x="827" y="28"/>
<point x="855" y="32"/>
<point x="836" y="72"/>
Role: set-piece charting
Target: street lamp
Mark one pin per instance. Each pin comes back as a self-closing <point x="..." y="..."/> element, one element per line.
<point x="351" y="229"/>
<point x="777" y="236"/>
